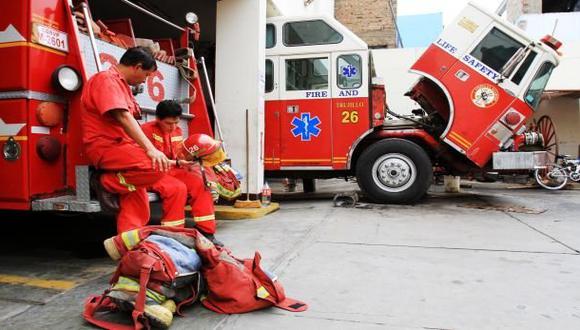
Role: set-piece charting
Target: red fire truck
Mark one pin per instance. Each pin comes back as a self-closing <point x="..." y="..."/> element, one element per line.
<point x="48" y="49"/>
<point x="325" y="110"/>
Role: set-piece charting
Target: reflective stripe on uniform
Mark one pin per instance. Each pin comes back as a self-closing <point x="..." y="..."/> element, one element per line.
<point x="128" y="284"/>
<point x="123" y="182"/>
<point x="130" y="238"/>
<point x="173" y="223"/>
<point x="204" y="218"/>
<point x="157" y="138"/>
<point x="262" y="293"/>
<point x="228" y="193"/>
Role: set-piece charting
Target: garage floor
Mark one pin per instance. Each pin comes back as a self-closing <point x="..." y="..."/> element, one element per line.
<point x="487" y="258"/>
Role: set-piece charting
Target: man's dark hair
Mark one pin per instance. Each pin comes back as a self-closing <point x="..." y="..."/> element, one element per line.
<point x="139" y="55"/>
<point x="168" y="108"/>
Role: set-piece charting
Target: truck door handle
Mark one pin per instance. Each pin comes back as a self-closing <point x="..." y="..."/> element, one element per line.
<point x="292" y="109"/>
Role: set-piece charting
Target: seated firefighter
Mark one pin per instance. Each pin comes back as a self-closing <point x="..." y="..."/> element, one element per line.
<point x="113" y="142"/>
<point x="166" y="135"/>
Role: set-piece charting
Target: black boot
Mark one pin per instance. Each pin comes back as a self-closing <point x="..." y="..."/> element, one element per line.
<point x="108" y="200"/>
<point x="211" y="238"/>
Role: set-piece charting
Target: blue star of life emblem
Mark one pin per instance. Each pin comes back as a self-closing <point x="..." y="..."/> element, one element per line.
<point x="304" y="126"/>
<point x="349" y="71"/>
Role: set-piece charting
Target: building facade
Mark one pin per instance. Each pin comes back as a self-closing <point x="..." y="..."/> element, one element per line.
<point x="516" y="8"/>
<point x="372" y="20"/>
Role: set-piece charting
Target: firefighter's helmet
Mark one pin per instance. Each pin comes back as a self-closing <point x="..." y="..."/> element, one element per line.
<point x="198" y="146"/>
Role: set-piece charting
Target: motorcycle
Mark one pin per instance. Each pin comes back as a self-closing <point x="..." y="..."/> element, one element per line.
<point x="556" y="176"/>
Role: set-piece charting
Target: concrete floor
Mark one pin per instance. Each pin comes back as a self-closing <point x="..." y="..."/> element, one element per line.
<point x="486" y="258"/>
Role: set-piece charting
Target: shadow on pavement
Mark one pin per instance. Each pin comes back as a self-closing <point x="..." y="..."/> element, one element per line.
<point x="25" y="233"/>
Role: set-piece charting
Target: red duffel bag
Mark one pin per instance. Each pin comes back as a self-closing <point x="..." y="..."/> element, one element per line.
<point x="155" y="274"/>
<point x="239" y="286"/>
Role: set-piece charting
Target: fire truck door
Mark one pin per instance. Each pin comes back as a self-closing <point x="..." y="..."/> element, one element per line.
<point x="272" y="114"/>
<point x="350" y="103"/>
<point x="305" y="107"/>
<point x="481" y="96"/>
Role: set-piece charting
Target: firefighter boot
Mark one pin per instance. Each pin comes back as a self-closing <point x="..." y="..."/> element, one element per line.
<point x="189" y="223"/>
<point x="109" y="201"/>
<point x="211" y="238"/>
<point x="111" y="248"/>
<point x="159" y="315"/>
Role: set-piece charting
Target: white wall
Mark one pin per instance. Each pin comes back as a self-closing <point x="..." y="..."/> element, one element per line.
<point x="564" y="110"/>
<point x="297" y="7"/>
<point x="392" y="65"/>
<point x="565" y="27"/>
<point x="240" y="57"/>
<point x="565" y="114"/>
<point x="565" y="75"/>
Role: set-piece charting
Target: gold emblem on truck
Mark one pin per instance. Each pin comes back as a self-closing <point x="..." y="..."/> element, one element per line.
<point x="484" y="95"/>
<point x="468" y="24"/>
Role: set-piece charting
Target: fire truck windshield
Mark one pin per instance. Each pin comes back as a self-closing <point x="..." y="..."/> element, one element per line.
<point x="496" y="49"/>
<point x="538" y="84"/>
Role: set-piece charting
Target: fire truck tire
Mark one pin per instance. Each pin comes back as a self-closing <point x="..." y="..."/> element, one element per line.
<point x="394" y="171"/>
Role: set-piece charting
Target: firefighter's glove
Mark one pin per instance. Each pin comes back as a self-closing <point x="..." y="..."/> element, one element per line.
<point x="215" y="195"/>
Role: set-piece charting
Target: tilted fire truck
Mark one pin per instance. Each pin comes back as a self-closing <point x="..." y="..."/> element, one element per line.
<point x="326" y="117"/>
<point x="48" y="49"/>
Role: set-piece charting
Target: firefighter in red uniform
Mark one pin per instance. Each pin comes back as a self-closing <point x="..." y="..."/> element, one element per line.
<point x="115" y="144"/>
<point x="166" y="135"/>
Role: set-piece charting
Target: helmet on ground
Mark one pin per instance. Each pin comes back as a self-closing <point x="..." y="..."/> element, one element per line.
<point x="198" y="146"/>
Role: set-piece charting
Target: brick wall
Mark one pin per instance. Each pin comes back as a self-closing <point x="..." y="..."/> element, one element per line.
<point x="371" y="20"/>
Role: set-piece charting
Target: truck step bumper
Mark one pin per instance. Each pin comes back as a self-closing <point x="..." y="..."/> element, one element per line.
<point x="520" y="160"/>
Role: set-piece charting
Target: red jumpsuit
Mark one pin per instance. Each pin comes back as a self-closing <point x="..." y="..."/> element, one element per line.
<point x="127" y="168"/>
<point x="199" y="195"/>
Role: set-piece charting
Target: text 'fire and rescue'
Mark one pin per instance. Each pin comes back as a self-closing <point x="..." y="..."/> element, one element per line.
<point x="353" y="92"/>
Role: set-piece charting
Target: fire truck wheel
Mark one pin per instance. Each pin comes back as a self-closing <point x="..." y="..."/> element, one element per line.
<point x="394" y="171"/>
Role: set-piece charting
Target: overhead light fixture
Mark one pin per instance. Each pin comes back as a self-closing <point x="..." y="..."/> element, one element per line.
<point x="191" y="18"/>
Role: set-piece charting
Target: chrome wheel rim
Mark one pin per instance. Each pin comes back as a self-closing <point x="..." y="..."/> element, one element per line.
<point x="394" y="172"/>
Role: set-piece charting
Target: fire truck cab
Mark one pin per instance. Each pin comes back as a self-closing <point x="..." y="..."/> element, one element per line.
<point x="482" y="78"/>
<point x="326" y="116"/>
<point x="317" y="95"/>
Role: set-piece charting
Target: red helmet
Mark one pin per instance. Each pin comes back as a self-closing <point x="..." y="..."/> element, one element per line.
<point x="200" y="145"/>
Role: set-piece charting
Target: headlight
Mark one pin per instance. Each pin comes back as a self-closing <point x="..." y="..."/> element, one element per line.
<point x="66" y="79"/>
<point x="191" y="18"/>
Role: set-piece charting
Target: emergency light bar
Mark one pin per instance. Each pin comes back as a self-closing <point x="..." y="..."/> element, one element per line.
<point x="551" y="42"/>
